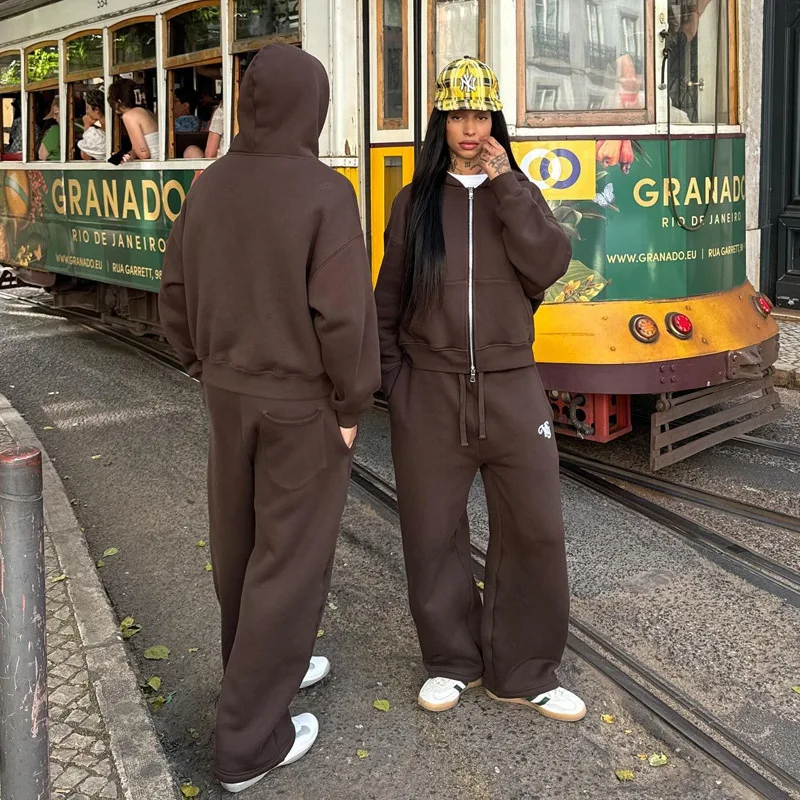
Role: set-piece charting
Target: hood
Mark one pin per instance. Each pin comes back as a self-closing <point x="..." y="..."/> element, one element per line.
<point x="283" y="103"/>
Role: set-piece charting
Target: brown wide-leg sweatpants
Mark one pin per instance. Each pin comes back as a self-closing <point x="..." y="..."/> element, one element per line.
<point x="278" y="474"/>
<point x="444" y="429"/>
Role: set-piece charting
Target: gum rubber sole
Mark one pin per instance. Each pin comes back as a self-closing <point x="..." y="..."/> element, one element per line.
<point x="447" y="706"/>
<point x="521" y="701"/>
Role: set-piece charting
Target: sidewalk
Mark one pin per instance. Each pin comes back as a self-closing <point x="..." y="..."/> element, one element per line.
<point x="102" y="742"/>
<point x="787" y="367"/>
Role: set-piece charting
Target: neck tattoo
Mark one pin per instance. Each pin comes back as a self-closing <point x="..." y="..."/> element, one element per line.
<point x="460" y="166"/>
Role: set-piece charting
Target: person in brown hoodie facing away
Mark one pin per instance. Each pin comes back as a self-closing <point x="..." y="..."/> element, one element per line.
<point x="267" y="299"/>
<point x="471" y="246"/>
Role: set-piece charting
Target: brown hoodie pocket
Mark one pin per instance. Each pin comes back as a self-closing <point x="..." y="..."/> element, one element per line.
<point x="294" y="449"/>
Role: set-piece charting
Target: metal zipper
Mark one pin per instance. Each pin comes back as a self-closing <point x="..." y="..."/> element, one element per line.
<point x="471" y="291"/>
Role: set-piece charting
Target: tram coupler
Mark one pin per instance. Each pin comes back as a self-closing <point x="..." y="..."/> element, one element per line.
<point x="594" y="417"/>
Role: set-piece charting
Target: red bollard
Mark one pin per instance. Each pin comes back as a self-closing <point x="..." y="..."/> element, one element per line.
<point x="25" y="763"/>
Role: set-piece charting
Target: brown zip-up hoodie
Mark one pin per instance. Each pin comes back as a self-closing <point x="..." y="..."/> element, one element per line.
<point x="518" y="251"/>
<point x="266" y="288"/>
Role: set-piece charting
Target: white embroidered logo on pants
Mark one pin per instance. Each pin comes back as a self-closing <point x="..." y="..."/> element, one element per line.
<point x="544" y="430"/>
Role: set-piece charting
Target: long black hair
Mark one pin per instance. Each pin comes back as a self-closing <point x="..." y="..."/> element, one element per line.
<point x="425" y="259"/>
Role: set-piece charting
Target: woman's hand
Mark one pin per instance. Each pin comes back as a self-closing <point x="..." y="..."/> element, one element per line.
<point x="87" y="122"/>
<point x="494" y="158"/>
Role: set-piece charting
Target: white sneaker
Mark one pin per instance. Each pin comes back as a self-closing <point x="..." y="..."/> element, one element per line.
<point x="306" y="730"/>
<point x="440" y="694"/>
<point x="559" y="704"/>
<point x="317" y="670"/>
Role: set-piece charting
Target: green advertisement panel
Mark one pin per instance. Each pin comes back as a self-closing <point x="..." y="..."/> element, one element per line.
<point x="628" y="241"/>
<point x="611" y="196"/>
<point x="100" y="225"/>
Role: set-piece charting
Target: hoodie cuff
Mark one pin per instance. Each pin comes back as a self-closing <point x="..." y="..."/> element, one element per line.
<point x="506" y="185"/>
<point x="347" y="420"/>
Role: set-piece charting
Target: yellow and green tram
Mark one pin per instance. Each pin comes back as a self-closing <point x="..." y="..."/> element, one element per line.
<point x="626" y="113"/>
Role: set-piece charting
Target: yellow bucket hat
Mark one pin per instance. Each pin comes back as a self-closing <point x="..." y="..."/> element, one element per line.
<point x="467" y="83"/>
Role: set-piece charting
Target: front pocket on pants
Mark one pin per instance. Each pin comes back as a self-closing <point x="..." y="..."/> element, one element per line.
<point x="293" y="449"/>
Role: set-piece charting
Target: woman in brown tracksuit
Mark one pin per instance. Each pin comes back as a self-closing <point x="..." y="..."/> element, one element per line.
<point x="470" y="248"/>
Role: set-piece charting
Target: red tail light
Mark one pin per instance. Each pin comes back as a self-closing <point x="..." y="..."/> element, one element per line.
<point x="762" y="304"/>
<point x="679" y="325"/>
<point x="644" y="328"/>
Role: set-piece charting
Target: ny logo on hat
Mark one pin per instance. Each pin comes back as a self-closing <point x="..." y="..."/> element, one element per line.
<point x="469" y="82"/>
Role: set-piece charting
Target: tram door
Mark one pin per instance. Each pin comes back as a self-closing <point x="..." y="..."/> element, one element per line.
<point x="408" y="43"/>
<point x="781" y="146"/>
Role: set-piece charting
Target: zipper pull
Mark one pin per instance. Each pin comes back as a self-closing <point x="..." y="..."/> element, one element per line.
<point x="472" y="374"/>
<point x="470" y="190"/>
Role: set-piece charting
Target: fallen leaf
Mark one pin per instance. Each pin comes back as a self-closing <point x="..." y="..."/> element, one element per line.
<point x="130" y="632"/>
<point x="193" y="649"/>
<point x="48" y="428"/>
<point x="101" y="563"/>
<point x="188" y="790"/>
<point x="209" y="568"/>
<point x="796" y="689"/>
<point x="154" y="683"/>
<point x="156" y="653"/>
<point x="628" y="731"/>
<point x="168" y="698"/>
<point x="59" y="578"/>
<point x="362" y="753"/>
<point x="641" y="756"/>
<point x="201" y="543"/>
<point x="381" y="705"/>
<point x="94" y="458"/>
<point x="127" y="623"/>
<point x="480" y="585"/>
<point x="112" y="551"/>
<point x="157" y="702"/>
<point x="625" y="775"/>
<point x="193" y="733"/>
<point x="608" y="718"/>
<point x="320" y="633"/>
<point x="657" y="760"/>
<point x="333" y="606"/>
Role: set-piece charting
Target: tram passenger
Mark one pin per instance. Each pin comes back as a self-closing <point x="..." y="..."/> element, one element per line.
<point x="214" y="142"/>
<point x="471" y="246"/>
<point x="50" y="147"/>
<point x="140" y="124"/>
<point x="93" y="142"/>
<point x="184" y="106"/>
<point x="267" y="299"/>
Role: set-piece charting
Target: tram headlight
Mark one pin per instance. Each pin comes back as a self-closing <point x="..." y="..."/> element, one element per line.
<point x="762" y="304"/>
<point x="643" y="328"/>
<point x="679" y="325"/>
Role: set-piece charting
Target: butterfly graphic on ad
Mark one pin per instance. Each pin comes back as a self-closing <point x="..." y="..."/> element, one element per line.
<point x="605" y="199"/>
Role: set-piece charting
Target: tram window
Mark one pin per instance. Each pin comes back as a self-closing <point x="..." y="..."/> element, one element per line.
<point x="458" y="28"/>
<point x="194" y="72"/>
<point x="10" y="107"/>
<point x="392" y="66"/>
<point x="699" y="61"/>
<point x="585" y="56"/>
<point x="86" y="124"/>
<point x="133" y="65"/>
<point x="44" y="135"/>
<point x="268" y="20"/>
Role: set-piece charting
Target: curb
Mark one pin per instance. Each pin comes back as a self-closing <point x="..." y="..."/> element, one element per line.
<point x="140" y="761"/>
<point x="786" y="376"/>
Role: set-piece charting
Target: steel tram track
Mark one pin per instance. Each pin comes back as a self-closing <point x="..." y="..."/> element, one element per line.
<point x="767" y="778"/>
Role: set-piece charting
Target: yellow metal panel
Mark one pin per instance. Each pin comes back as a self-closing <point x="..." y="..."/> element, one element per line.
<point x="598" y="333"/>
<point x="378" y="200"/>
<point x="351" y="173"/>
